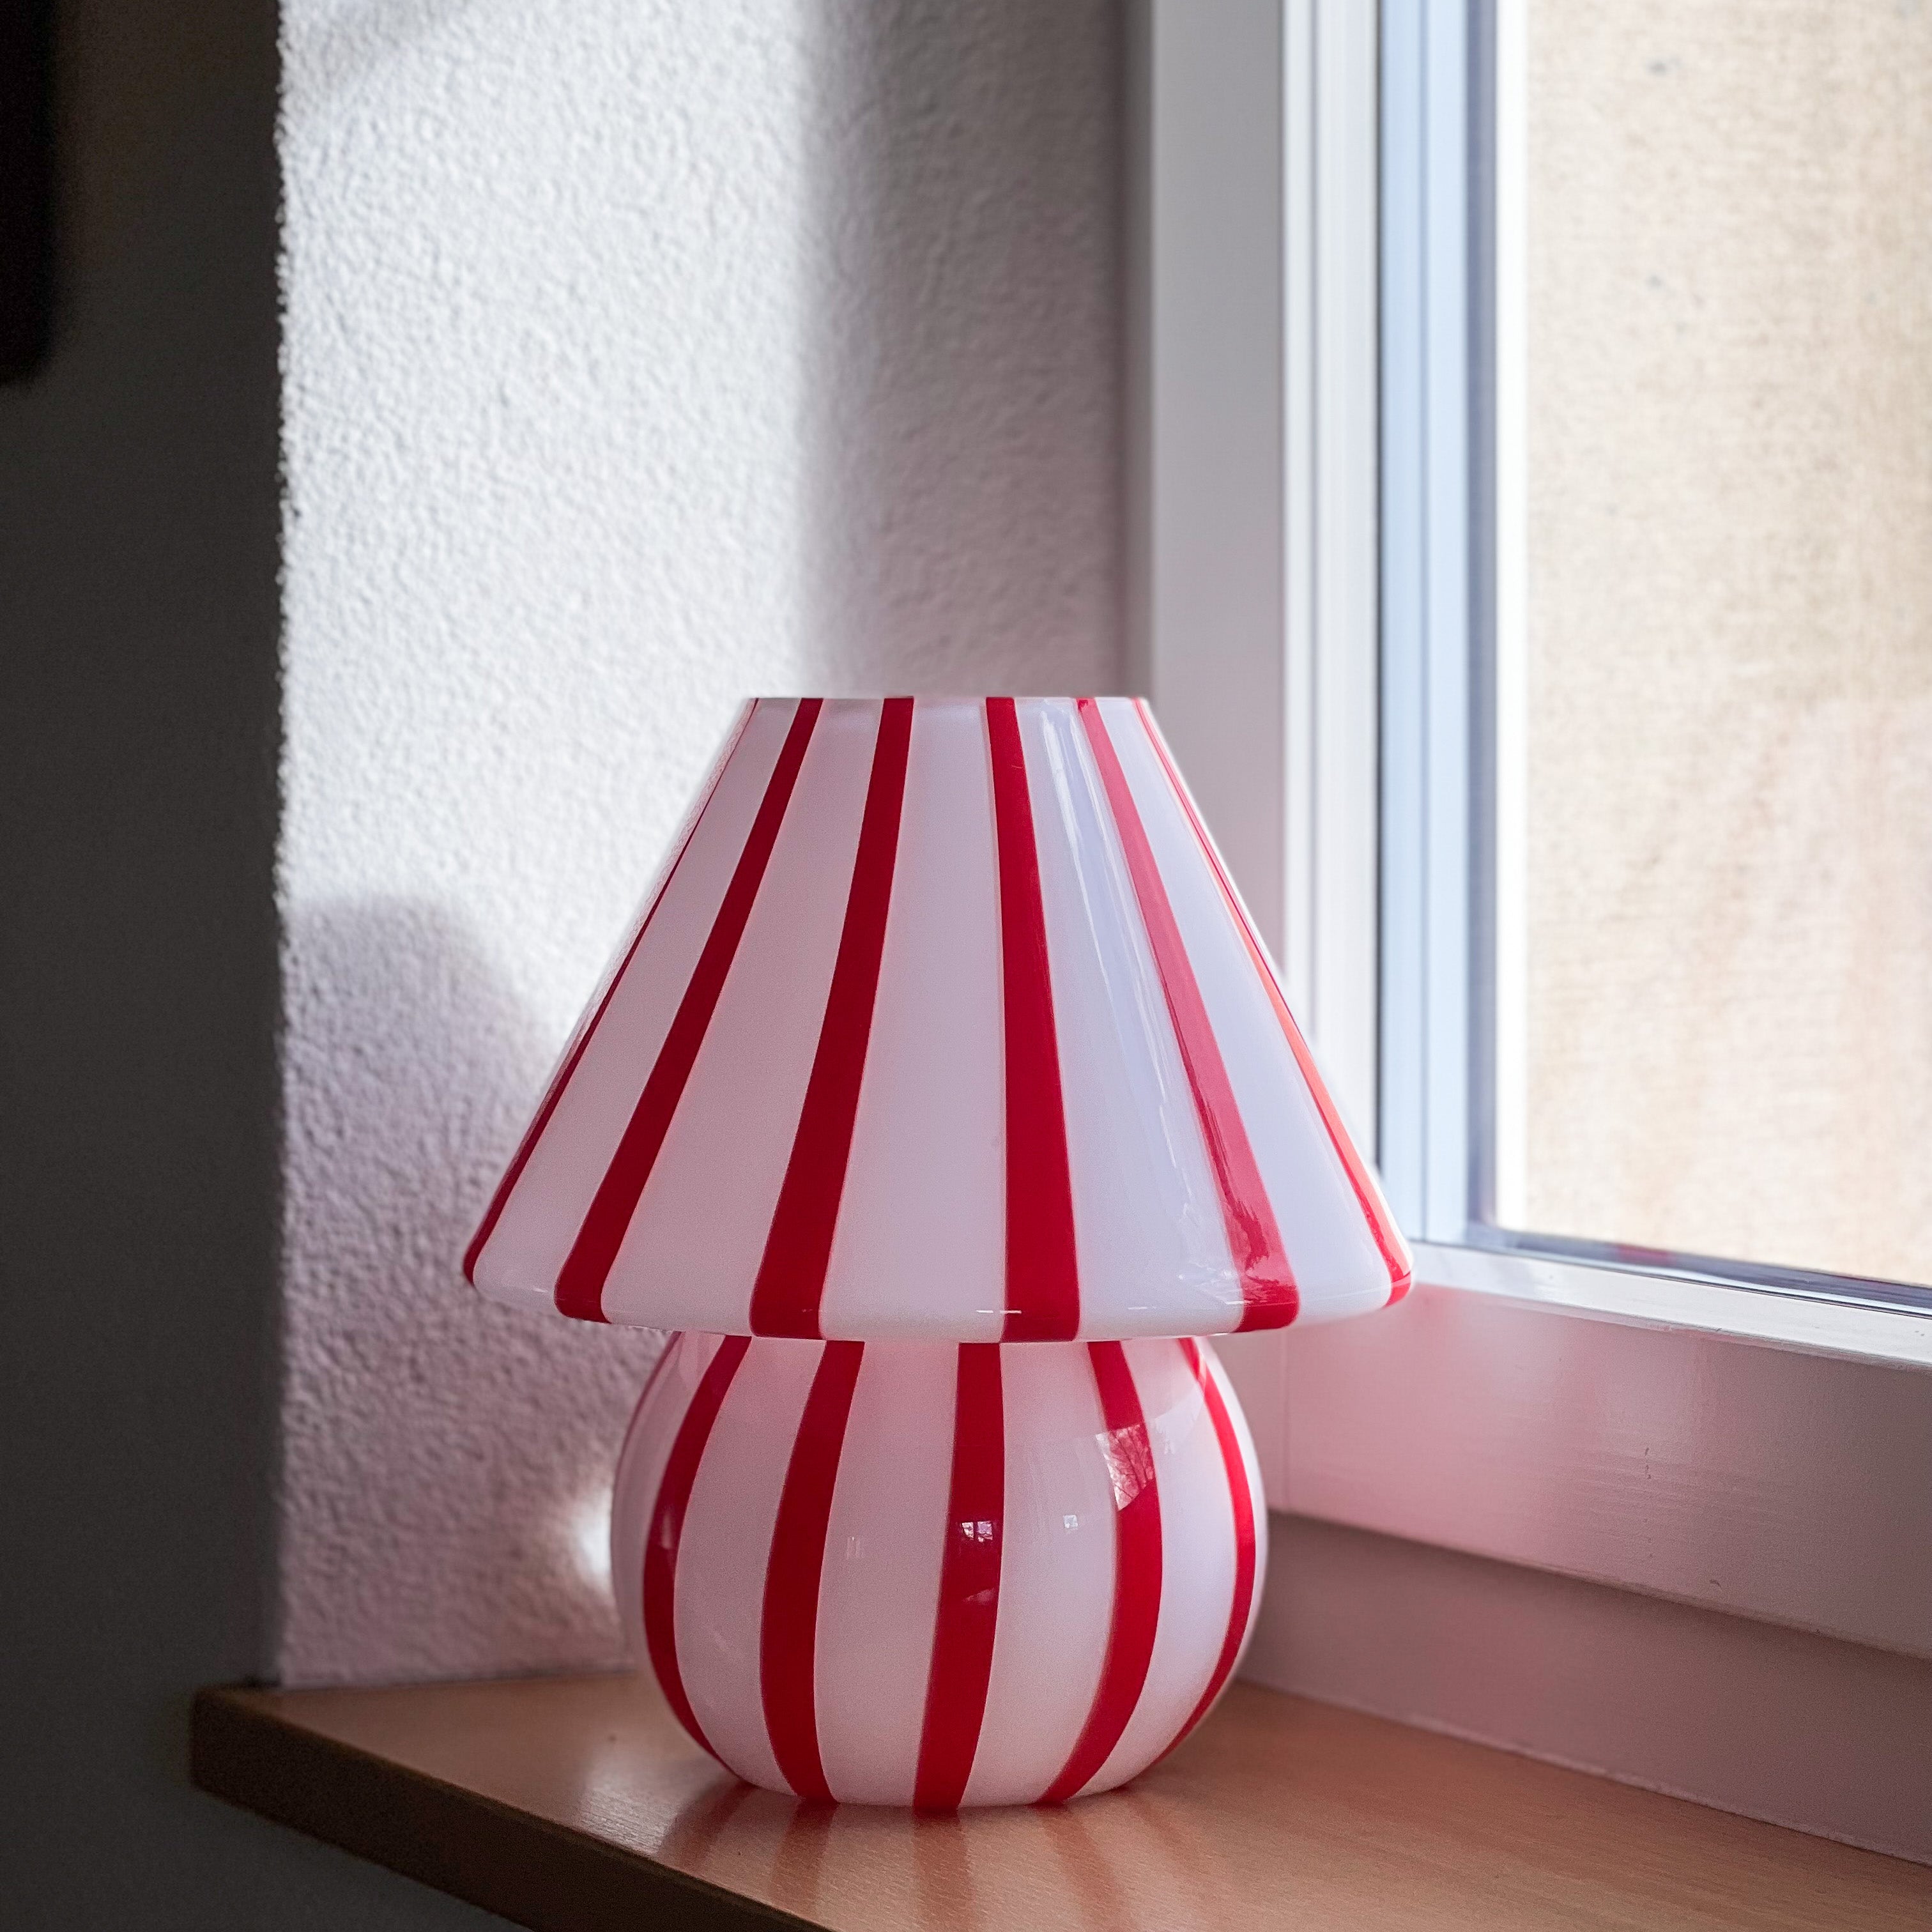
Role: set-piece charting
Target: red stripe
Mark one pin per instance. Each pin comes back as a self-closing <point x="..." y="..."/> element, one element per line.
<point x="1242" y="1498"/>
<point x="1043" y="1269"/>
<point x="587" y="1029"/>
<point x="1388" y="1237"/>
<point x="790" y="1282"/>
<point x="1268" y="1282"/>
<point x="666" y="1530"/>
<point x="1137" y="1561"/>
<point x="969" y="1584"/>
<point x="788" y="1641"/>
<point x="579" y="1284"/>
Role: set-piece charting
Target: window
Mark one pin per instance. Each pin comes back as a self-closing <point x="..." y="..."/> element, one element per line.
<point x="1725" y="298"/>
<point x="1384" y="615"/>
<point x="1678" y="262"/>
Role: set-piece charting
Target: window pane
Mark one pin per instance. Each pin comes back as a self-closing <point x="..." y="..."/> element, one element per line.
<point x="1725" y="855"/>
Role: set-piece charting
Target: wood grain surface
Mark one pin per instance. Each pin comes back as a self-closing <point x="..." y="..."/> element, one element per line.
<point x="574" y="1805"/>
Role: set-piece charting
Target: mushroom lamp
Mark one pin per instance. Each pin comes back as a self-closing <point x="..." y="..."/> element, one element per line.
<point x="943" y="1100"/>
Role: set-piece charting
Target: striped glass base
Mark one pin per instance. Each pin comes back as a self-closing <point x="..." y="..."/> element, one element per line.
<point x="938" y="1574"/>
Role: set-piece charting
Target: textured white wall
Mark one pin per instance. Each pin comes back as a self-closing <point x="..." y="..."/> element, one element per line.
<point x="638" y="356"/>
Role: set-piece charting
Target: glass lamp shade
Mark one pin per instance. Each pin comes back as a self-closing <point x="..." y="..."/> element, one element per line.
<point x="938" y="1575"/>
<point x="944" y="1023"/>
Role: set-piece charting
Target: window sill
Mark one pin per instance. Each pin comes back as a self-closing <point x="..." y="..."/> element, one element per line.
<point x="1845" y="1330"/>
<point x="576" y="1803"/>
<point x="1742" y="1451"/>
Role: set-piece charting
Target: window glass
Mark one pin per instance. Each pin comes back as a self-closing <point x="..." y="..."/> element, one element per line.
<point x="1724" y="850"/>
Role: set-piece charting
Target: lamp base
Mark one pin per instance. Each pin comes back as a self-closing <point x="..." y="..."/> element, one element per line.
<point x="938" y="1574"/>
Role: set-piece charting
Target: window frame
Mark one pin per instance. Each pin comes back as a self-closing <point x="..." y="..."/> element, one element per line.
<point x="1270" y="219"/>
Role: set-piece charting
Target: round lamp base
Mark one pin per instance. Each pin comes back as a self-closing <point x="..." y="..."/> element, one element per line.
<point x="935" y="1574"/>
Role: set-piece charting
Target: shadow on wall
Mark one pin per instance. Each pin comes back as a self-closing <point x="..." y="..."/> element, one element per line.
<point x="440" y="1518"/>
<point x="961" y="264"/>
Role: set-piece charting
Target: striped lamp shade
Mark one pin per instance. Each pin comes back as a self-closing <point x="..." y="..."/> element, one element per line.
<point x="898" y="1573"/>
<point x="944" y="1023"/>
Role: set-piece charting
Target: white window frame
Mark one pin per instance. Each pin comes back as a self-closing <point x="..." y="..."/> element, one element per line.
<point x="1302" y="476"/>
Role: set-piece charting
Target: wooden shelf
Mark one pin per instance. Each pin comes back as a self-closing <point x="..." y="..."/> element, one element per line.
<point x="575" y="1805"/>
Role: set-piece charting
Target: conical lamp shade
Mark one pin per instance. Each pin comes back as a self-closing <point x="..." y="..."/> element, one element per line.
<point x="944" y="1023"/>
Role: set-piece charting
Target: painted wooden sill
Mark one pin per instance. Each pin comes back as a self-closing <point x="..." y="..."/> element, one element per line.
<point x="575" y="1805"/>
